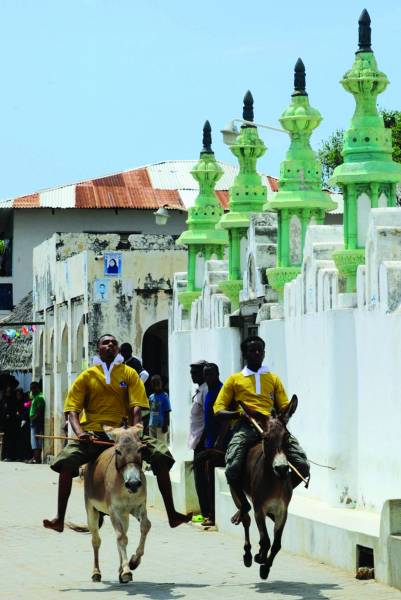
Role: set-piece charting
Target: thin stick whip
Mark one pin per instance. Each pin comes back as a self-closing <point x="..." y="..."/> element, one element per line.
<point x="71" y="439"/>
<point x="260" y="430"/>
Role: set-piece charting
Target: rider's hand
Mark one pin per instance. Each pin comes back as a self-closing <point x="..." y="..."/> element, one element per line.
<point x="84" y="436"/>
<point x="249" y="411"/>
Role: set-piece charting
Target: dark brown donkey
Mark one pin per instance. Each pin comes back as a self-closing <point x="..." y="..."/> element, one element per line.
<point x="266" y="481"/>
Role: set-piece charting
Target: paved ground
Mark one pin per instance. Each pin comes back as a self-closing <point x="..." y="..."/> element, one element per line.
<point x="36" y="564"/>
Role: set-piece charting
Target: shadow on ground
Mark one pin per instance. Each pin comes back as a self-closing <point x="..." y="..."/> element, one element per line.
<point x="172" y="591"/>
<point x="156" y="591"/>
<point x="298" y="589"/>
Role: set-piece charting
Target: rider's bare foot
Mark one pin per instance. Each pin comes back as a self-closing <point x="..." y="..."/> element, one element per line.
<point x="179" y="519"/>
<point x="237" y="518"/>
<point x="55" y="524"/>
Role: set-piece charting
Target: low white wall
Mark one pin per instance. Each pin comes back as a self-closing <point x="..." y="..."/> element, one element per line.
<point x="378" y="349"/>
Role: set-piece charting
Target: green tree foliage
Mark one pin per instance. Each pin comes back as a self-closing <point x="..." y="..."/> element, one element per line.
<point x="330" y="155"/>
<point x="329" y="152"/>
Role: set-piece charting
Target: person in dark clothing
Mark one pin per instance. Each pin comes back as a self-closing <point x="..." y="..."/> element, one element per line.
<point x="135" y="363"/>
<point x="24" y="449"/>
<point x="11" y="422"/>
<point x="215" y="435"/>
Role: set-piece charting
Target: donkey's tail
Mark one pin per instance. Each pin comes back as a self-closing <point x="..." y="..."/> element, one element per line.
<point x="214" y="456"/>
<point x="76" y="527"/>
<point x="84" y="528"/>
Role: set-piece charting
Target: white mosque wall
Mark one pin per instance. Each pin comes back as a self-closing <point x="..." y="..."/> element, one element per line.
<point x="340" y="353"/>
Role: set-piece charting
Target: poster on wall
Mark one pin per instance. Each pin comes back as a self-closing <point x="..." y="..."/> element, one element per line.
<point x="112" y="264"/>
<point x="100" y="290"/>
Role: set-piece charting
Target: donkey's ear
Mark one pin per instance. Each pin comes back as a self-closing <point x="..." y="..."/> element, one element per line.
<point x="138" y="429"/>
<point x="111" y="432"/>
<point x="287" y="413"/>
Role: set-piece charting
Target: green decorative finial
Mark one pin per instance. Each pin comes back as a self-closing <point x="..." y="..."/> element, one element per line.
<point x="201" y="237"/>
<point x="247" y="111"/>
<point x="247" y="195"/>
<point x="299" y="79"/>
<point x="207" y="138"/>
<point x="364" y="41"/>
<point x="300" y="199"/>
<point x="368" y="175"/>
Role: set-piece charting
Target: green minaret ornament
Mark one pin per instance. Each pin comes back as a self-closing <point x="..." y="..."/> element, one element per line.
<point x="247" y="195"/>
<point x="202" y="237"/>
<point x="300" y="200"/>
<point x="368" y="175"/>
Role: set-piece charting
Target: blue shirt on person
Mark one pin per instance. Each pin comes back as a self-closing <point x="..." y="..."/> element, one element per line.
<point x="212" y="425"/>
<point x="159" y="405"/>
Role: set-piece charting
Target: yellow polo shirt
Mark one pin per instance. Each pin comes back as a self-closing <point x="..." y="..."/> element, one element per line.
<point x="244" y="388"/>
<point x="100" y="403"/>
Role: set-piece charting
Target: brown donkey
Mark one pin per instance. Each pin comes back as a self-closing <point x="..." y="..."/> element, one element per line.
<point x="115" y="485"/>
<point x="266" y="481"/>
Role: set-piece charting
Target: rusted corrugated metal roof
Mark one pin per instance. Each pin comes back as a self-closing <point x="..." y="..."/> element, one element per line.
<point x="31" y="201"/>
<point x="223" y="197"/>
<point x="169" y="183"/>
<point x="273" y="183"/>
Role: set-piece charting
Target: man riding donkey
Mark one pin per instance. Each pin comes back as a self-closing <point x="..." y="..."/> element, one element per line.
<point x="105" y="395"/>
<point x="255" y="392"/>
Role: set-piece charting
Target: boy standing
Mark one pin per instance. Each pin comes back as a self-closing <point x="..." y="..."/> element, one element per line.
<point x="159" y="418"/>
<point x="37" y="417"/>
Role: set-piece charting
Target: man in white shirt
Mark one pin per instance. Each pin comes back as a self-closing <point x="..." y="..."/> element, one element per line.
<point x="197" y="421"/>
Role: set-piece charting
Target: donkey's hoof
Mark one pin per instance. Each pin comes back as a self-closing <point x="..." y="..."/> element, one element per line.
<point x="264" y="571"/>
<point x="125" y="577"/>
<point x="134" y="563"/>
<point x="247" y="559"/>
<point x="96" y="577"/>
<point x="258" y="559"/>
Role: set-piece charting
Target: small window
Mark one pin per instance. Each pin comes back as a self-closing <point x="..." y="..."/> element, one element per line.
<point x="6" y="259"/>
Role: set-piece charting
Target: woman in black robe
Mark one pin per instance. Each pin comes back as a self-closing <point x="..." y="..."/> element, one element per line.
<point x="24" y="449"/>
<point x="11" y="423"/>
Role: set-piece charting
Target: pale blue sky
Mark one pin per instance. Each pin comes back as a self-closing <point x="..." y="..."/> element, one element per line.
<point x="90" y="87"/>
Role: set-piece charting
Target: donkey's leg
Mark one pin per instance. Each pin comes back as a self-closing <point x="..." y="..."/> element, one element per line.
<point x="145" y="526"/>
<point x="246" y="521"/>
<point x="264" y="540"/>
<point x="120" y="523"/>
<point x="93" y="526"/>
<point x="276" y="546"/>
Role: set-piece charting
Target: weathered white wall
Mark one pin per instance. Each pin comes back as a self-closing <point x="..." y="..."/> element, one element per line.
<point x="65" y="268"/>
<point x="33" y="226"/>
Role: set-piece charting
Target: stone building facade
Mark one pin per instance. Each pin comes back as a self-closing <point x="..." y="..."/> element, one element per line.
<point x="79" y="295"/>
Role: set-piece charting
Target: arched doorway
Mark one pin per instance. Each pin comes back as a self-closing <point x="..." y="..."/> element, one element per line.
<point x="155" y="350"/>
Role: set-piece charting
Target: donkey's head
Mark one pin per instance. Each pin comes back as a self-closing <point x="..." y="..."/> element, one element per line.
<point x="128" y="455"/>
<point x="275" y="440"/>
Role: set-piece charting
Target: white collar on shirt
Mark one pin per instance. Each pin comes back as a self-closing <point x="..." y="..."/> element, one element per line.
<point x="107" y="372"/>
<point x="261" y="371"/>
